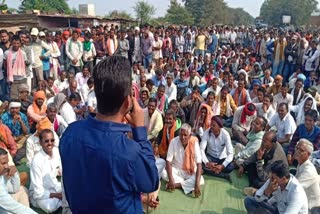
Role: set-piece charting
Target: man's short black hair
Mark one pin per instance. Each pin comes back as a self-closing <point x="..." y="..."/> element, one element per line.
<point x="112" y="80"/>
<point x="280" y="169"/>
<point x="90" y="81"/>
<point x="15" y="38"/>
<point x="75" y="96"/>
<point x="313" y="114"/>
<point x="43" y="132"/>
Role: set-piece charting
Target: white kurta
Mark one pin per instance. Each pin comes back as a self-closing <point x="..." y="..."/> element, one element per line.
<point x="175" y="155"/>
<point x="43" y="173"/>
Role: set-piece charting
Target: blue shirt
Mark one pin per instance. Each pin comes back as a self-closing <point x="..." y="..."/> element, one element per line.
<point x="103" y="170"/>
<point x="15" y="128"/>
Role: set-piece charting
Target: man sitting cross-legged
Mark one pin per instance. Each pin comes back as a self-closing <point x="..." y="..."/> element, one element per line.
<point x="183" y="168"/>
<point x="45" y="189"/>
<point x="217" y="150"/>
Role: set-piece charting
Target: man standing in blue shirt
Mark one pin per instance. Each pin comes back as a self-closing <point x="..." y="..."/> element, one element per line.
<point x="103" y="170"/>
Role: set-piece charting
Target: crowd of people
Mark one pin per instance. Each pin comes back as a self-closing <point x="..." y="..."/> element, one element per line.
<point x="214" y="100"/>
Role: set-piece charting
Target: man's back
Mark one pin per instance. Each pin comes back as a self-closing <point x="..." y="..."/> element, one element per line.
<point x="104" y="171"/>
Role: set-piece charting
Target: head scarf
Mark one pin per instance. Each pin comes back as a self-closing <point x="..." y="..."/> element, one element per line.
<point x="43" y="124"/>
<point x="218" y="120"/>
<point x="246" y="112"/>
<point x="58" y="100"/>
<point x="255" y="82"/>
<point x="207" y="120"/>
<point x="39" y="95"/>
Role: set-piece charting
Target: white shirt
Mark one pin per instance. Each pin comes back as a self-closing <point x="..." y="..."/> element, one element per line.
<point x="278" y="99"/>
<point x="292" y="200"/>
<point x="158" y="53"/>
<point x="218" y="147"/>
<point x="309" y="179"/>
<point x="74" y="50"/>
<point x="1" y="63"/>
<point x="43" y="173"/>
<point x="68" y="113"/>
<point x="176" y="152"/>
<point x="285" y="126"/>
<point x="92" y="100"/>
<point x="171" y="92"/>
<point x="91" y="53"/>
<point x="33" y="146"/>
<point x="237" y="125"/>
<point x="81" y="80"/>
<point x="260" y="112"/>
<point x="61" y="85"/>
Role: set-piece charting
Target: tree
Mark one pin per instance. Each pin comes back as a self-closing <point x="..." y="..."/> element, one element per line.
<point x="215" y="12"/>
<point x="144" y="11"/>
<point x="196" y="8"/>
<point x="178" y="14"/>
<point x="239" y="17"/>
<point x="119" y="14"/>
<point x="45" y="5"/>
<point x="300" y="11"/>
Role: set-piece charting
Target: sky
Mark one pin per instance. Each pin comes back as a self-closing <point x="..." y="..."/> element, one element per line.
<point x="103" y="8"/>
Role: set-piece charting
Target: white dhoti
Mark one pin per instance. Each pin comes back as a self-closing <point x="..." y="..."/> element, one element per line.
<point x="49" y="205"/>
<point x="180" y="176"/>
<point x="161" y="164"/>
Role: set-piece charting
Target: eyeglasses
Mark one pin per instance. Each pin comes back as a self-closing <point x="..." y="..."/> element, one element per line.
<point x="49" y="140"/>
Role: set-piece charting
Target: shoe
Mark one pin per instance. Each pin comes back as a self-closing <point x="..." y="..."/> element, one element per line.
<point x="249" y="191"/>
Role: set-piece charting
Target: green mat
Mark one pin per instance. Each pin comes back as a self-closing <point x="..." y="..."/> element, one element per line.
<point x="218" y="196"/>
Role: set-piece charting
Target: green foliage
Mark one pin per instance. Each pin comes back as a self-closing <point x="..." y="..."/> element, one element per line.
<point x="178" y="14"/>
<point x="300" y="11"/>
<point x="239" y="17"/>
<point x="45" y="5"/>
<point x="144" y="11"/>
<point x="208" y="12"/>
<point x="119" y="14"/>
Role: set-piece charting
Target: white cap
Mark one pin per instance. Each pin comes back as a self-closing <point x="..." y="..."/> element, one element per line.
<point x="137" y="28"/>
<point x="34" y="32"/>
<point x="42" y="33"/>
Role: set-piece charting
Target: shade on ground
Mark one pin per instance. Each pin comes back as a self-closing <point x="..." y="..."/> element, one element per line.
<point x="218" y="197"/>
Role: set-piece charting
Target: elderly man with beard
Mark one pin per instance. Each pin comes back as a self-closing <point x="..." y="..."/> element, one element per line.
<point x="183" y="170"/>
<point x="9" y="182"/>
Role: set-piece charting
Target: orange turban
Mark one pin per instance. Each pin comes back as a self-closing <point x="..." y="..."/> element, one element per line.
<point x="39" y="95"/>
<point x="43" y="124"/>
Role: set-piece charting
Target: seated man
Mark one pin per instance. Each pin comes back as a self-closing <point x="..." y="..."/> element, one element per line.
<point x="227" y="106"/>
<point x="59" y="125"/>
<point x="152" y="119"/>
<point x="174" y="105"/>
<point x="282" y="193"/>
<point x="33" y="143"/>
<point x="45" y="189"/>
<point x="284" y="124"/>
<point x="241" y="123"/>
<point x="306" y="173"/>
<point x="265" y="108"/>
<point x="309" y="131"/>
<point x="8" y="204"/>
<point x="217" y="150"/>
<point x="191" y="104"/>
<point x="184" y="163"/>
<point x="254" y="140"/>
<point x="240" y="95"/>
<point x="17" y="122"/>
<point x="168" y="132"/>
<point x="6" y="140"/>
<point x="282" y="97"/>
<point x="162" y="99"/>
<point x="258" y="165"/>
